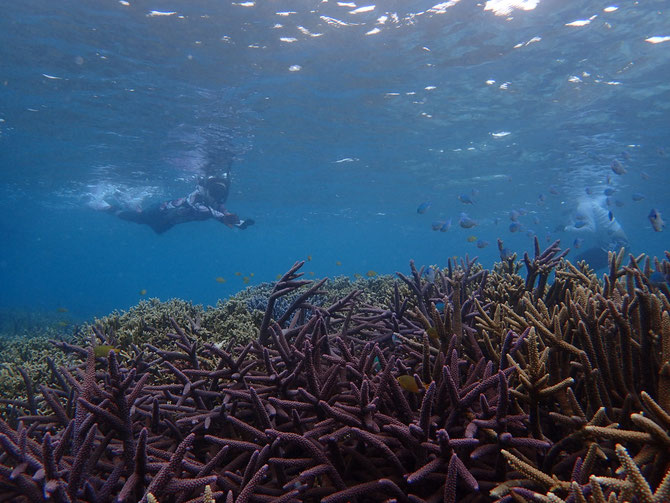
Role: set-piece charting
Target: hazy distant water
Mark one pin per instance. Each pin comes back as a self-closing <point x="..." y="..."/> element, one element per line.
<point x="341" y="118"/>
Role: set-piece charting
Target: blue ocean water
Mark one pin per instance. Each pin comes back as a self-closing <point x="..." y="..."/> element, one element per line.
<point x="340" y="118"/>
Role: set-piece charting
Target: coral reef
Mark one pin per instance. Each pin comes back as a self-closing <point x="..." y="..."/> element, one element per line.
<point x="463" y="385"/>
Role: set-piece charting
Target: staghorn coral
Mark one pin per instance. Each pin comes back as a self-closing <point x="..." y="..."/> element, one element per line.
<point x="471" y="385"/>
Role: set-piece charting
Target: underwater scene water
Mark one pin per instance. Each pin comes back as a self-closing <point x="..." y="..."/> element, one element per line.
<point x="358" y="136"/>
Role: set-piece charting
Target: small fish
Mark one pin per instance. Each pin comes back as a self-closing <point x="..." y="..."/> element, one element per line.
<point x="656" y="221"/>
<point x="608" y="191"/>
<point x="496" y="220"/>
<point x="423" y="207"/>
<point x="553" y="190"/>
<point x="251" y="274"/>
<point x="530" y="233"/>
<point x="536" y="220"/>
<point x="62" y="323"/>
<point x="644" y="175"/>
<point x="338" y="263"/>
<point x="103" y="350"/>
<point x="588" y="190"/>
<point x="439" y="306"/>
<point x="309" y="258"/>
<point x="311" y="273"/>
<point x="436" y="225"/>
<point x="466" y="222"/>
<point x="618" y="203"/>
<point x="482" y="244"/>
<point x="246" y="280"/>
<point x="430" y="275"/>
<point x="446" y="226"/>
<point x="514" y="215"/>
<point x="475" y="192"/>
<point x="610" y="215"/>
<point x="578" y="242"/>
<point x="408" y="383"/>
<point x="514" y="227"/>
<point x="609" y="179"/>
<point x="220" y="279"/>
<point x="238" y="273"/>
<point x="357" y="276"/>
<point x="143" y="291"/>
<point x="472" y="239"/>
<point x="278" y="277"/>
<point x="617" y="167"/>
<point x="540" y="199"/>
<point x="371" y="273"/>
<point x="62" y="309"/>
<point x="637" y="196"/>
<point x="465" y="199"/>
<point x="625" y="155"/>
<point x="505" y="254"/>
<point x="432" y="333"/>
<point x="658" y="279"/>
<point x="579" y="224"/>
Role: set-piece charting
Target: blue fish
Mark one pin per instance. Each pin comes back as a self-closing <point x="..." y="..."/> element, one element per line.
<point x="608" y="191"/>
<point x="465" y="199"/>
<point x="423" y="207"/>
<point x="514" y="227"/>
<point x="553" y="190"/>
<point x="436" y="225"/>
<point x="482" y="244"/>
<point x="637" y="196"/>
<point x="610" y="215"/>
<point x="659" y="279"/>
<point x="588" y="190"/>
<point x="578" y="242"/>
<point x="656" y="221"/>
<point x="514" y="215"/>
<point x="446" y="226"/>
<point x="540" y="199"/>
<point x="617" y="167"/>
<point x="505" y="254"/>
<point x="579" y="224"/>
<point x="466" y="222"/>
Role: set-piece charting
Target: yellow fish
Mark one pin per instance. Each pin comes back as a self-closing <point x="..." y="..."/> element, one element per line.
<point x="238" y="273"/>
<point x="103" y="350"/>
<point x="408" y="383"/>
<point x="432" y="333"/>
<point x="251" y="274"/>
<point x="62" y="309"/>
<point x="143" y="291"/>
<point x="371" y="273"/>
<point x="278" y="277"/>
<point x="219" y="279"/>
<point x="246" y="280"/>
<point x="311" y="273"/>
<point x="309" y="258"/>
<point x="357" y="276"/>
<point x="337" y="262"/>
<point x="472" y="239"/>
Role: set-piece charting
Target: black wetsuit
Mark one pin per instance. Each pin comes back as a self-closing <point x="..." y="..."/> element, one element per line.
<point x="199" y="205"/>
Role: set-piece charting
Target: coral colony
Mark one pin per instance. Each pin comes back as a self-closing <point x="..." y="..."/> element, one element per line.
<point x="466" y="385"/>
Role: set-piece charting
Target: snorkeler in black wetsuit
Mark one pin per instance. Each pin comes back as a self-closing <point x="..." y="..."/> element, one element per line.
<point x="205" y="202"/>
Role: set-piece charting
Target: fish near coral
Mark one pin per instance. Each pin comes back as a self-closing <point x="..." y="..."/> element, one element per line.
<point x="472" y="239"/>
<point x="656" y="221"/>
<point x="482" y="244"/>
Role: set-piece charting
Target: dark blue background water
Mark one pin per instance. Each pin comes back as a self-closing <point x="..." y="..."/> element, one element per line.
<point x="100" y="95"/>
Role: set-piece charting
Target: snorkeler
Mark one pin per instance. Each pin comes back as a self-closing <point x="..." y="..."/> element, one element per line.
<point x="598" y="229"/>
<point x="205" y="202"/>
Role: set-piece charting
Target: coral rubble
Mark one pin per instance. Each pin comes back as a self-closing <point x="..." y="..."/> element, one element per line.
<point x="464" y="385"/>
